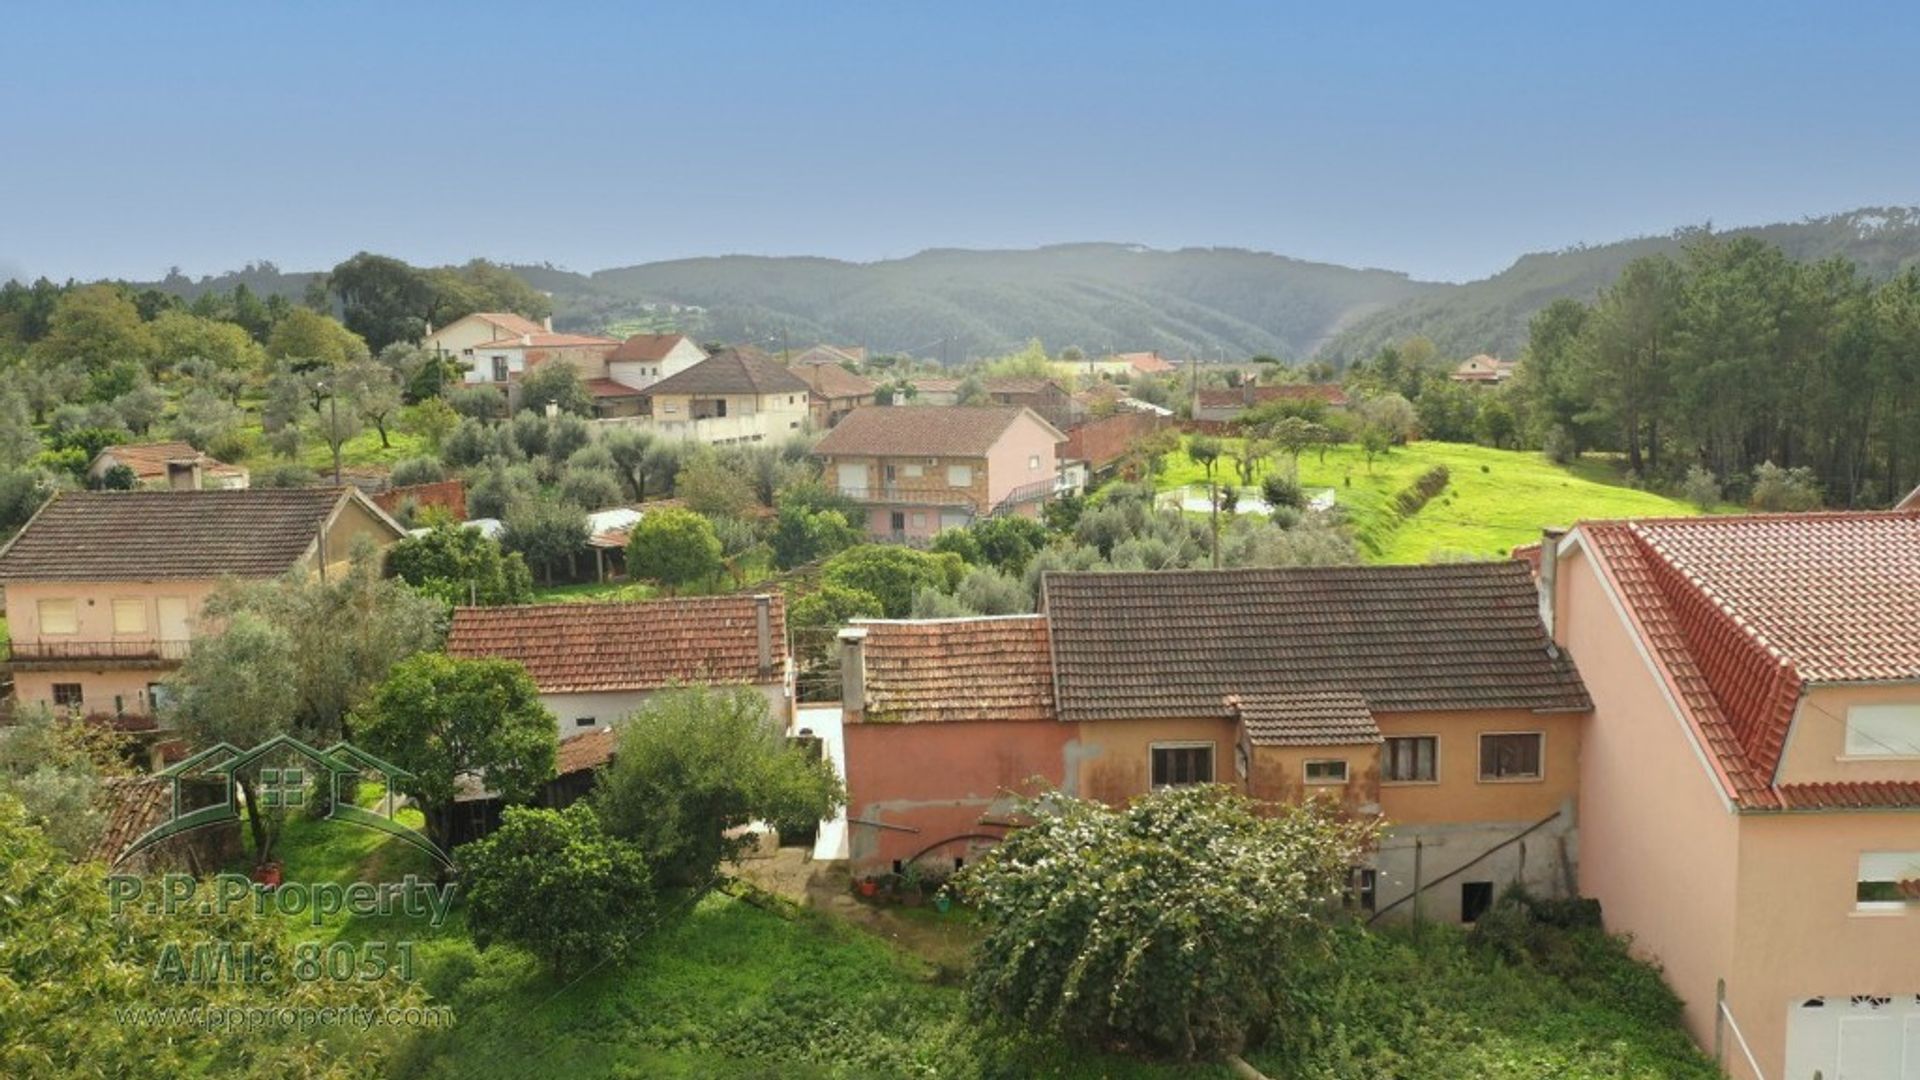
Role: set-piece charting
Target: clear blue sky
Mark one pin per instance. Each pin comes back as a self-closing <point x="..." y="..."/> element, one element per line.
<point x="1439" y="139"/>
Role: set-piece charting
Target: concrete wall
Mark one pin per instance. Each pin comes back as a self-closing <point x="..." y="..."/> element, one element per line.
<point x="1816" y="749"/>
<point x="1024" y="454"/>
<point x="1459" y="795"/>
<point x="749" y="417"/>
<point x="101" y="682"/>
<point x="610" y="707"/>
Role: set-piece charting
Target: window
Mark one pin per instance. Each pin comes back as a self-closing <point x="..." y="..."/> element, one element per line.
<point x="66" y="695"/>
<point x="157" y="696"/>
<point x="1412" y="759"/>
<point x="499" y="369"/>
<point x="1883" y="731"/>
<point x="59" y="617"/>
<point x="898" y="521"/>
<point x="1514" y="756"/>
<point x="913" y="472"/>
<point x="1475" y="898"/>
<point x="583" y="721"/>
<point x="890" y="476"/>
<point x="1033" y="462"/>
<point x="1179" y="764"/>
<point x="1888" y="880"/>
<point x="1326" y="772"/>
<point x="919" y="520"/>
<point x="720" y="407"/>
<point x="959" y="476"/>
<point x="129" y="616"/>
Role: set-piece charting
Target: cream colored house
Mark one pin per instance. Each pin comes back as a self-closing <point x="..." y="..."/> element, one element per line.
<point x="645" y="359"/>
<point x="499" y="362"/>
<point x="455" y="339"/>
<point x="729" y="397"/>
<point x="104" y="589"/>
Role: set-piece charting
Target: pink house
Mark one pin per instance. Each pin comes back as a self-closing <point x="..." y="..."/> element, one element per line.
<point x="920" y="469"/>
<point x="1750" y="778"/>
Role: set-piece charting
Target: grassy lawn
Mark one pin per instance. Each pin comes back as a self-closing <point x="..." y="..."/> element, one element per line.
<point x="1495" y="499"/>
<point x="592" y="591"/>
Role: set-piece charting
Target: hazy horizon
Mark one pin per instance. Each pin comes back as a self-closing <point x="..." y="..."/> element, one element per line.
<point x="1440" y="144"/>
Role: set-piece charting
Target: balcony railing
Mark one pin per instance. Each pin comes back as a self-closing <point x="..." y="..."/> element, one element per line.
<point x="1038" y="491"/>
<point x="916" y="496"/>
<point x="56" y="649"/>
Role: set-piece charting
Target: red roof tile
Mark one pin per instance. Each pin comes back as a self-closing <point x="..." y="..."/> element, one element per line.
<point x="1868" y="795"/>
<point x="731" y="371"/>
<point x="1307" y="718"/>
<point x="646" y="347"/>
<point x="1147" y="363"/>
<point x="923" y="430"/>
<point x="586" y="751"/>
<point x="580" y="648"/>
<point x="607" y="388"/>
<point x="994" y="668"/>
<point x="833" y="381"/>
<point x="149" y="460"/>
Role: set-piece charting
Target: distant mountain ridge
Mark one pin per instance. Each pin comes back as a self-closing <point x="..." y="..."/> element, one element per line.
<point x="1211" y="303"/>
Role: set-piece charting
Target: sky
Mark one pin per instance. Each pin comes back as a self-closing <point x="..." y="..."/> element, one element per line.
<point x="1439" y="139"/>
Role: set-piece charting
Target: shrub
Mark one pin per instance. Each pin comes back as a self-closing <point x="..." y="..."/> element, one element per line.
<point x="1777" y="489"/>
<point x="1283" y="491"/>
<point x="1416" y="495"/>
<point x="893" y="574"/>
<point x="554" y="883"/>
<point x="417" y="470"/>
<point x="675" y="548"/>
<point x="1701" y="487"/>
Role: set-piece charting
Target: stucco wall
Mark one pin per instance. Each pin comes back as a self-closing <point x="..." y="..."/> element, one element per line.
<point x="608" y="709"/>
<point x="1278" y="774"/>
<point x="1008" y="460"/>
<point x="1658" y="846"/>
<point x="1459" y="795"/>
<point x="1816" y="747"/>
<point x="1112" y="759"/>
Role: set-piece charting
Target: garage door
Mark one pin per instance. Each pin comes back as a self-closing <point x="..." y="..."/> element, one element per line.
<point x="1862" y="1037"/>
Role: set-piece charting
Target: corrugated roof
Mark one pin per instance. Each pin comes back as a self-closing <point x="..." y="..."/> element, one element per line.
<point x="994" y="668"/>
<point x="731" y="372"/>
<point x="1405" y="638"/>
<point x="580" y="648"/>
<point x="168" y="535"/>
<point x="955" y="430"/>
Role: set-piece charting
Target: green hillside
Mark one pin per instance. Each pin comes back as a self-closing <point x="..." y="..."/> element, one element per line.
<point x="1494" y="499"/>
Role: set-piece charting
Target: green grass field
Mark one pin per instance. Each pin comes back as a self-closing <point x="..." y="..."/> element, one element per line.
<point x="1494" y="500"/>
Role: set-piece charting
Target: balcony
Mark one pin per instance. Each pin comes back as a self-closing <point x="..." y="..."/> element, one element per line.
<point x="1038" y="491"/>
<point x="49" y="653"/>
<point x="905" y="495"/>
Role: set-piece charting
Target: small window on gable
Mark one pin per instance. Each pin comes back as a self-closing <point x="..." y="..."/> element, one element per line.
<point x="59" y="617"/>
<point x="1883" y="731"/>
<point x="1331" y="771"/>
<point x="1887" y="881"/>
<point x="1033" y="462"/>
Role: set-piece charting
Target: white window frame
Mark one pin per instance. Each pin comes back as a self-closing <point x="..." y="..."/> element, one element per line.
<point x="959" y="476"/>
<point x="1033" y="462"/>
<point x="129" y="603"/>
<point x="1480" y="759"/>
<point x="1306" y="772"/>
<point x="53" y="602"/>
<point x="1213" y="761"/>
<point x="1884" y="907"/>
<point x="1385" y="778"/>
<point x="913" y="472"/>
<point x="1868" y="748"/>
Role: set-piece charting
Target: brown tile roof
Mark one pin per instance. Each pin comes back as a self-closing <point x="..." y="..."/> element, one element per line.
<point x="931" y="385"/>
<point x="830" y="354"/>
<point x="646" y="347"/>
<point x="927" y="430"/>
<point x="992" y="668"/>
<point x="1015" y="384"/>
<point x="1249" y="396"/>
<point x="170" y="535"/>
<point x="833" y="381"/>
<point x="731" y="372"/>
<point x="132" y="807"/>
<point x="580" y="648"/>
<point x="607" y="388"/>
<point x="545" y="340"/>
<point x="1857" y="795"/>
<point x="1307" y="718"/>
<point x="1742" y="612"/>
<point x="1405" y="638"/>
<point x="1147" y="363"/>
<point x="149" y="460"/>
<point x="507" y="323"/>
<point x="586" y="751"/>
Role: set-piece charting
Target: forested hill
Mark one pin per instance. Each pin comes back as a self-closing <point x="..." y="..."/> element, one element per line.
<point x="1491" y="315"/>
<point x="1100" y="297"/>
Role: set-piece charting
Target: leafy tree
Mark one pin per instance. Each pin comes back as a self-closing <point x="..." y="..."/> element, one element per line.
<point x="335" y="418"/>
<point x="480" y="402"/>
<point x="374" y="391"/>
<point x="23" y="491"/>
<point x="442" y="718"/>
<point x="181" y="337"/>
<point x="546" y="533"/>
<point x="1375" y="440"/>
<point x="676" y="548"/>
<point x="1496" y="425"/>
<point x="118" y="478"/>
<point x="1777" y="489"/>
<point x="141" y="407"/>
<point x="1174" y="925"/>
<point x="1392" y="414"/>
<point x="696" y="763"/>
<point x="54" y="766"/>
<point x="1701" y="488"/>
<point x="555" y="384"/>
<point x="709" y="486"/>
<point x="501" y="488"/>
<point x="382" y="299"/>
<point x="1285" y="491"/>
<point x="310" y="339"/>
<point x="483" y="286"/>
<point x="19" y="442"/>
<point x="988" y="591"/>
<point x="414" y="471"/>
<point x="555" y="884"/>
<point x="432" y="419"/>
<point x="959" y="540"/>
<point x="1007" y="542"/>
<point x="459" y="565"/>
<point x="893" y="574"/>
<point x="94" y="327"/>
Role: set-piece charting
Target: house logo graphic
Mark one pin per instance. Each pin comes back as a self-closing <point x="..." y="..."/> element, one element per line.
<point x="339" y="767"/>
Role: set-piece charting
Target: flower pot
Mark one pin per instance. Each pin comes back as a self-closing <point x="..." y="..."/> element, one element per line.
<point x="868" y="887"/>
<point x="267" y="874"/>
<point x="942" y="902"/>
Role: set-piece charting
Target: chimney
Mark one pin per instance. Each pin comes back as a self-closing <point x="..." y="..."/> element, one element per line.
<point x="184" y="475"/>
<point x="553" y="409"/>
<point x="1549" y="581"/>
<point x="526" y="339"/>
<point x="763" y="629"/>
<point x="853" y="673"/>
<point x="548" y="323"/>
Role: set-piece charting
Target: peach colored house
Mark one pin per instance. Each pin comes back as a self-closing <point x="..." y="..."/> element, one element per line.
<point x="1750" y="780"/>
<point x="104" y="589"/>
<point x="1426" y="695"/>
<point x="922" y="469"/>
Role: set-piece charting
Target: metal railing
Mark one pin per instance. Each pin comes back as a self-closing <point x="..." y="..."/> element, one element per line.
<point x="900" y="493"/>
<point x="1038" y="491"/>
<point x="46" y="649"/>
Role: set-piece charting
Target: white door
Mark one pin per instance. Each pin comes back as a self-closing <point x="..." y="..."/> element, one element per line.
<point x="853" y="479"/>
<point x="174" y="616"/>
<point x="1854" y="1038"/>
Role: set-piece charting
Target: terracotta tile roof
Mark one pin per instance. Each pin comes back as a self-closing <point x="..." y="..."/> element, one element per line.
<point x="926" y="430"/>
<point x="149" y="460"/>
<point x="1021" y="385"/>
<point x="1147" y="363"/>
<point x="1742" y="612"/>
<point x="731" y="372"/>
<point x="1308" y="718"/>
<point x="170" y="535"/>
<point x="830" y="354"/>
<point x="994" y="668"/>
<point x="581" y="648"/>
<point x="508" y="324"/>
<point x="1405" y="638"/>
<point x="132" y="806"/>
<point x="833" y="381"/>
<point x="1249" y="396"/>
<point x="545" y="340"/>
<point x="1858" y="795"/>
<point x="590" y="750"/>
<point x="647" y="347"/>
<point x="607" y="388"/>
